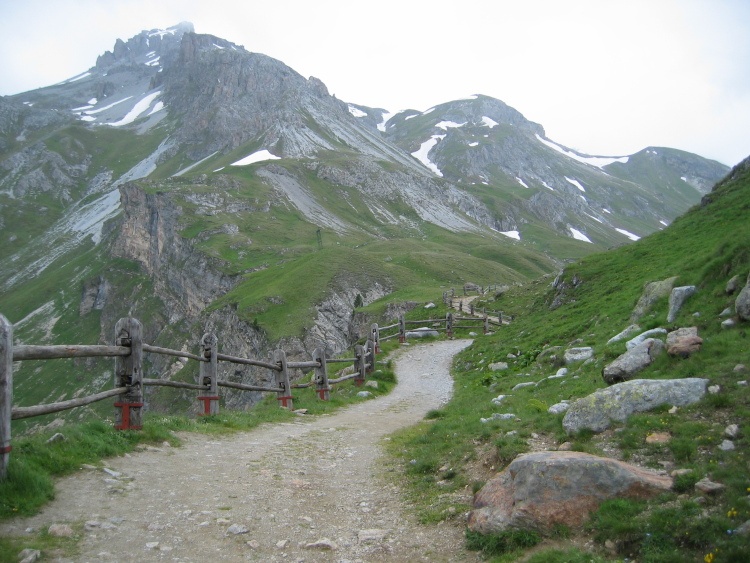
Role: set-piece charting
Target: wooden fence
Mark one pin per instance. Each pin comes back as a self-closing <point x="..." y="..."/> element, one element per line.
<point x="450" y="299"/>
<point x="128" y="350"/>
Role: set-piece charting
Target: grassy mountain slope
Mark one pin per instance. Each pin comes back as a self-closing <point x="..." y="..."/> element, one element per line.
<point x="706" y="247"/>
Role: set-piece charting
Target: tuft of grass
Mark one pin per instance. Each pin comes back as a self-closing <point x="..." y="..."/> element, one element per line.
<point x="501" y="543"/>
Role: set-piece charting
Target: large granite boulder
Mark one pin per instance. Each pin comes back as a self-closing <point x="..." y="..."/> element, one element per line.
<point x="631" y="362"/>
<point x="616" y="403"/>
<point x="539" y="490"/>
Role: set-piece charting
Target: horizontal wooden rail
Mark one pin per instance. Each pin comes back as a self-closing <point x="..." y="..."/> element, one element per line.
<point x="176" y="384"/>
<point x="303" y="365"/>
<point x="340" y="360"/>
<point x="38" y="410"/>
<point x="30" y="352"/>
<point x="247" y="361"/>
<point x="343" y="378"/>
<point x="243" y="387"/>
<point x="425" y="321"/>
<point x="303" y="385"/>
<point x="388" y="327"/>
<point x="168" y="352"/>
<point x="389" y="337"/>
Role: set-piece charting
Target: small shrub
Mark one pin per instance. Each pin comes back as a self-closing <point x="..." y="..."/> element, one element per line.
<point x="683" y="449"/>
<point x="434" y="414"/>
<point x="684" y="483"/>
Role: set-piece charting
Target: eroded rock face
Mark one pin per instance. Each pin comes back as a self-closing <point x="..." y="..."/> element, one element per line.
<point x="539" y="490"/>
<point x="616" y="403"/>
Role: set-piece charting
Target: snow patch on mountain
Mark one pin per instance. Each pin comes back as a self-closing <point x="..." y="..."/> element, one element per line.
<point x="445" y="125"/>
<point x="489" y="122"/>
<point x="628" y="234"/>
<point x="257" y="156"/>
<point x="521" y="182"/>
<point x="356" y="112"/>
<point x="510" y="234"/>
<point x="578" y="235"/>
<point x="576" y="183"/>
<point x="140" y="107"/>
<point x="597" y="161"/>
<point x="424" y="149"/>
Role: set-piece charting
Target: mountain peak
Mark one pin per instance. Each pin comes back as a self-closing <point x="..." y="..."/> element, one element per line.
<point x="146" y="42"/>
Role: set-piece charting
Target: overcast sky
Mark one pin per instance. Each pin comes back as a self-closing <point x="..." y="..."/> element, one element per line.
<point x="605" y="77"/>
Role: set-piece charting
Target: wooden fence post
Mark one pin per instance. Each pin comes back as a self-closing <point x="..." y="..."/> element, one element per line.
<point x="401" y="329"/>
<point x="129" y="373"/>
<point x="6" y="393"/>
<point x="208" y="374"/>
<point x="322" y="388"/>
<point x="370" y="355"/>
<point x="471" y="309"/>
<point x="282" y="380"/>
<point x="375" y="335"/>
<point x="360" y="364"/>
<point x="486" y="323"/>
<point x="449" y="324"/>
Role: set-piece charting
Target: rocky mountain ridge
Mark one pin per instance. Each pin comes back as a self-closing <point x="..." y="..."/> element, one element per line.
<point x="169" y="178"/>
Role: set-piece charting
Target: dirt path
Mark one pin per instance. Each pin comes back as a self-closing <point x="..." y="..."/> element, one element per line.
<point x="282" y="487"/>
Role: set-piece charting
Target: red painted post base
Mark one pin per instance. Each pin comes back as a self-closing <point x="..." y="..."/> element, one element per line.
<point x="6" y="450"/>
<point x="323" y="393"/>
<point x="125" y="424"/>
<point x="207" y="404"/>
<point x="285" y="401"/>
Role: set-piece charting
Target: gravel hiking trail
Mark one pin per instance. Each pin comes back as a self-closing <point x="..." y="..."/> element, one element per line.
<point x="311" y="490"/>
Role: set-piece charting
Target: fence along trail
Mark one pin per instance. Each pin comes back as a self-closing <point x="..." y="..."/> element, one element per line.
<point x="288" y="484"/>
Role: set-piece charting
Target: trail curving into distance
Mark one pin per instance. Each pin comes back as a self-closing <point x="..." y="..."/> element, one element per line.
<point x="284" y="487"/>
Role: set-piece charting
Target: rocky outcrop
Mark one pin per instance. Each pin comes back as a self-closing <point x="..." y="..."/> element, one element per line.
<point x="742" y="303"/>
<point x="541" y="490"/>
<point x="185" y="278"/>
<point x="631" y="362"/>
<point x="616" y="403"/>
<point x="94" y="297"/>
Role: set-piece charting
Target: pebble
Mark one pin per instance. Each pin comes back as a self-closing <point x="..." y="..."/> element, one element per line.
<point x="236" y="529"/>
<point x="707" y="486"/>
<point x="324" y="544"/>
<point x="726" y="446"/>
<point x="60" y="530"/>
<point x="29" y="555"/>
<point x="732" y="431"/>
